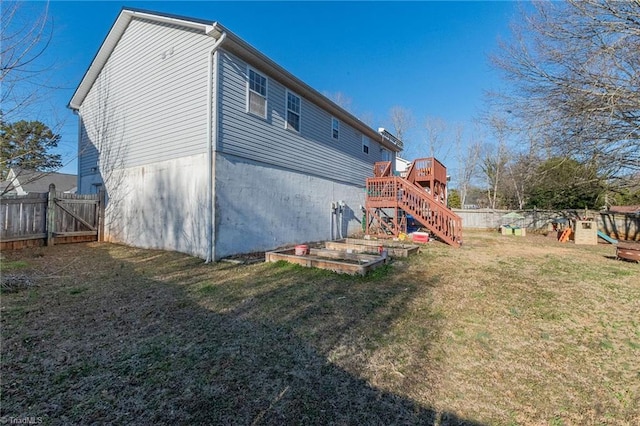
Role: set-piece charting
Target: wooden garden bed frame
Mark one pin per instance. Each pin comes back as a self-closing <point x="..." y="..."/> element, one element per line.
<point x="333" y="260"/>
<point x="394" y="249"/>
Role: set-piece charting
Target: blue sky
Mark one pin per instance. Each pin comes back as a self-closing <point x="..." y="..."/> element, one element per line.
<point x="428" y="57"/>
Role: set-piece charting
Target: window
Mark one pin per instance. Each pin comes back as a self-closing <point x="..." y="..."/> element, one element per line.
<point x="293" y="112"/>
<point x="335" y="128"/>
<point x="257" y="94"/>
<point x="365" y="144"/>
<point x="386" y="154"/>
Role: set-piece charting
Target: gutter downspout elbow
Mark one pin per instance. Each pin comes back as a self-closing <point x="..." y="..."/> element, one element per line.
<point x="212" y="140"/>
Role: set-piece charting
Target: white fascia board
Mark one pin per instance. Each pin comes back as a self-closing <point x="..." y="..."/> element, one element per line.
<point x="172" y="21"/>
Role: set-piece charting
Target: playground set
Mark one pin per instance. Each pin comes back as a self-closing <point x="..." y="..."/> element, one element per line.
<point x="586" y="232"/>
<point x="419" y="197"/>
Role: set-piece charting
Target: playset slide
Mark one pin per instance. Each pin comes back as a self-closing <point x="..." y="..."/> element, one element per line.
<point x="607" y="238"/>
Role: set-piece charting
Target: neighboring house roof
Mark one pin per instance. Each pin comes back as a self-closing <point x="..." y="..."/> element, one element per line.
<point x="3" y="188"/>
<point x="625" y="209"/>
<point x="26" y="181"/>
<point x="233" y="44"/>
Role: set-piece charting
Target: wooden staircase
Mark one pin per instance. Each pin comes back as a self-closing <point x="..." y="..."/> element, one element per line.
<point x="422" y="194"/>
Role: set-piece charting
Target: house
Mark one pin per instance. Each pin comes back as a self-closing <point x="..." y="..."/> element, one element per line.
<point x="630" y="210"/>
<point x="206" y="146"/>
<point x="402" y="165"/>
<point x="22" y="181"/>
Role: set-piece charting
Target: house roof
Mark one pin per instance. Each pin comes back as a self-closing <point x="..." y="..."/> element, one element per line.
<point x="232" y="43"/>
<point x="625" y="209"/>
<point x="34" y="181"/>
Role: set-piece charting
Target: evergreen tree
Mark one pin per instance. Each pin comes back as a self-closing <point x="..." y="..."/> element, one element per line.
<point x="27" y="145"/>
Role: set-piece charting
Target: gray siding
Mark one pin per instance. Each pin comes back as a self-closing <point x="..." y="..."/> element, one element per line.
<point x="87" y="155"/>
<point x="312" y="151"/>
<point x="149" y="103"/>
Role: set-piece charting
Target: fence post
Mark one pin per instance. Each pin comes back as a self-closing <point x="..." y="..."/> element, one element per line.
<point x="101" y="202"/>
<point x="51" y="213"/>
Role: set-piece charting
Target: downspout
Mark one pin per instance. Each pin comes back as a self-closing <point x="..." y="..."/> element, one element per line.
<point x="79" y="188"/>
<point x="212" y="140"/>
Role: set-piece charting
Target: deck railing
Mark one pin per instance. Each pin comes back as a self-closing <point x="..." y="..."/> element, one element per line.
<point x="396" y="192"/>
<point x="427" y="169"/>
<point x="382" y="168"/>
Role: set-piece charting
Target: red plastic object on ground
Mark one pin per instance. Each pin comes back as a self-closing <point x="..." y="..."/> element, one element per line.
<point x="420" y="237"/>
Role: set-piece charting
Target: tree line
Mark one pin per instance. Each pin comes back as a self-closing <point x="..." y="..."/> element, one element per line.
<point x="565" y="133"/>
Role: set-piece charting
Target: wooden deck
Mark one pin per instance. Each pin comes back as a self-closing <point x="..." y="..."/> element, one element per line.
<point x="390" y="198"/>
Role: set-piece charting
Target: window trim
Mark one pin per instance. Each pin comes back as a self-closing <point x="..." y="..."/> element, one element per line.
<point x="336" y="135"/>
<point x="388" y="152"/>
<point x="287" y="110"/>
<point x="366" y="144"/>
<point x="265" y="96"/>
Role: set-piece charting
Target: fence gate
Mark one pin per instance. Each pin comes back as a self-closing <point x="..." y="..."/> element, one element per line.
<point x="50" y="218"/>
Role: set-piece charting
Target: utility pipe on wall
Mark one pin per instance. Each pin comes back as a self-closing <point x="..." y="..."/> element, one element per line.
<point x="212" y="139"/>
<point x="333" y="209"/>
<point x="340" y="213"/>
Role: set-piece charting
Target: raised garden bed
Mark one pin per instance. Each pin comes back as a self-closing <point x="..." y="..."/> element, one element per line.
<point x="394" y="249"/>
<point x="333" y="260"/>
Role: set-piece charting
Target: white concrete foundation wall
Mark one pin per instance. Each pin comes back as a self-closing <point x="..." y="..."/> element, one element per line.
<point x="261" y="207"/>
<point x="159" y="205"/>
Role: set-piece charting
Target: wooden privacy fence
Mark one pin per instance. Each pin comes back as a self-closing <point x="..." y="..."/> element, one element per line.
<point x="50" y="218"/>
<point x="615" y="225"/>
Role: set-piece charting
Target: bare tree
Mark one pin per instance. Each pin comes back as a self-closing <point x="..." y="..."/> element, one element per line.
<point x="495" y="157"/>
<point x="574" y="71"/>
<point x="520" y="173"/>
<point x="468" y="157"/>
<point x="24" y="37"/>
<point x="493" y="164"/>
<point x="346" y="102"/>
<point x="436" y="138"/>
<point x="402" y="121"/>
<point x="26" y="32"/>
<point x="367" y="118"/>
<point x="340" y="99"/>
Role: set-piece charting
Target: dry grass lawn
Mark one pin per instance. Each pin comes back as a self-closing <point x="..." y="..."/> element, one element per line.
<point x="504" y="331"/>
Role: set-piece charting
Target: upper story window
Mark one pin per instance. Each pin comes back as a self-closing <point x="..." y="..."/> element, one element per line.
<point x="385" y="154"/>
<point x="335" y="128"/>
<point x="365" y="144"/>
<point x="257" y="94"/>
<point x="293" y="112"/>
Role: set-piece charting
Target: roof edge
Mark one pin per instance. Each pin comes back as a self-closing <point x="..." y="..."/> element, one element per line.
<point x="244" y="49"/>
<point x="249" y="53"/>
<point x="113" y="37"/>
